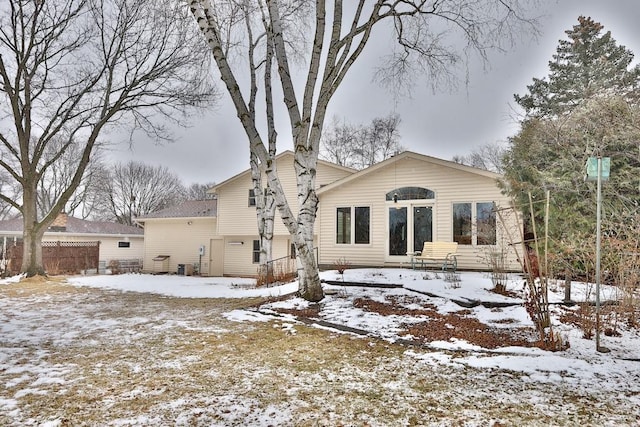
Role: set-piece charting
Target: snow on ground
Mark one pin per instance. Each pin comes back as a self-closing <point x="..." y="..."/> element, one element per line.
<point x="580" y="366"/>
<point x="580" y="363"/>
<point x="183" y="286"/>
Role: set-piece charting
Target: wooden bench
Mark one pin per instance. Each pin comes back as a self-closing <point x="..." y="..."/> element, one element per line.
<point x="442" y="254"/>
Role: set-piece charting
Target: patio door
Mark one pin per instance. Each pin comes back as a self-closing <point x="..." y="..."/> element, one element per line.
<point x="422" y="226"/>
<point x="398" y="231"/>
<point x="408" y="228"/>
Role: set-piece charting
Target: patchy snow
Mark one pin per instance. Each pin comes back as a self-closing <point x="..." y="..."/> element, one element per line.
<point x="580" y="361"/>
<point x="580" y="366"/>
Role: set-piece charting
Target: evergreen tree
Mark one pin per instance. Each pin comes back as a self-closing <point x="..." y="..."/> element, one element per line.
<point x="587" y="106"/>
<point x="588" y="64"/>
<point x="550" y="154"/>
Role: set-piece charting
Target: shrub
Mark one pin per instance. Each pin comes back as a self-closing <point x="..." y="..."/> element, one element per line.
<point x="342" y="265"/>
<point x="114" y="266"/>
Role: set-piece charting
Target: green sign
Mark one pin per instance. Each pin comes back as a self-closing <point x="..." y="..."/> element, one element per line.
<point x="592" y="168"/>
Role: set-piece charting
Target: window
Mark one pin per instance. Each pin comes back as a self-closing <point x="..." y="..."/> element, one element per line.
<point x="462" y="223"/>
<point x="343" y="225"/>
<point x="486" y="223"/>
<point x="256" y="251"/>
<point x="360" y="224"/>
<point x="124" y="244"/>
<point x="409" y="193"/>
<point x="252" y="197"/>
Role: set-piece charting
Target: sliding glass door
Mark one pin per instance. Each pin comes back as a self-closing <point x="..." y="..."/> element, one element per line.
<point x="409" y="227"/>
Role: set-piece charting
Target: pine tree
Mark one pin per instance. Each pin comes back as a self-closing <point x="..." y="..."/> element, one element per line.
<point x="551" y="155"/>
<point x="588" y="64"/>
<point x="587" y="106"/>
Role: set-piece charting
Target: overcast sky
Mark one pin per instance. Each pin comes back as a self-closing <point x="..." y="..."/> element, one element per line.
<point x="441" y="124"/>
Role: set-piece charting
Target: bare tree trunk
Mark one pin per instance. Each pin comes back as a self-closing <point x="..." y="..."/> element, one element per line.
<point x="309" y="286"/>
<point x="265" y="211"/>
<point x="265" y="231"/>
<point x="32" y="264"/>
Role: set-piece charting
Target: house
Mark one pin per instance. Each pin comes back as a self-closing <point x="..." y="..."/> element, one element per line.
<point x="116" y="241"/>
<point x="181" y="236"/>
<point x="382" y="215"/>
<point x="236" y="246"/>
<point x="378" y="216"/>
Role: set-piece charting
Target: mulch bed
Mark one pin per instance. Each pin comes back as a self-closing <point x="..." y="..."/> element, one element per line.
<point x="438" y="327"/>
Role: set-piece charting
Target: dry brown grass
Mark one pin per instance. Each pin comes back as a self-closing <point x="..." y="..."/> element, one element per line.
<point x="141" y="359"/>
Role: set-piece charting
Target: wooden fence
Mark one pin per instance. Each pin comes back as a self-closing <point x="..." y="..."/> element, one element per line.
<point x="58" y="257"/>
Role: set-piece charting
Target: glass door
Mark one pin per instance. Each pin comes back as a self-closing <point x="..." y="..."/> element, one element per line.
<point x="398" y="231"/>
<point x="422" y="226"/>
<point x="409" y="227"/>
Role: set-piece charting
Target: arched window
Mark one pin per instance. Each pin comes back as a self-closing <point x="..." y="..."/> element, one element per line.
<point x="410" y="193"/>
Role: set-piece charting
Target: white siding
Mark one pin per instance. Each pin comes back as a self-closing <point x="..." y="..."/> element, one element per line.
<point x="449" y="184"/>
<point x="238" y="258"/>
<point x="237" y="218"/>
<point x="109" y="249"/>
<point x="180" y="238"/>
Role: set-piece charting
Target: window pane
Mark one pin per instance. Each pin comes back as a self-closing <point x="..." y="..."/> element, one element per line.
<point x="256" y="251"/>
<point x="362" y="225"/>
<point x="486" y="221"/>
<point x="462" y="223"/>
<point x="398" y="231"/>
<point x="343" y="225"/>
<point x="410" y="193"/>
<point x="252" y="198"/>
<point x="124" y="244"/>
<point x="422" y="226"/>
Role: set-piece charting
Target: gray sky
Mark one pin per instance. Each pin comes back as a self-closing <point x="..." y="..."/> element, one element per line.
<point x="440" y="124"/>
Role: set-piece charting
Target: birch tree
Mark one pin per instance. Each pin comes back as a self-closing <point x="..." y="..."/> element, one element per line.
<point x="70" y="70"/>
<point x="428" y="37"/>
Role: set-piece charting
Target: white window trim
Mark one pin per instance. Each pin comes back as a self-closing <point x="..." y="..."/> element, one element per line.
<point x="352" y="227"/>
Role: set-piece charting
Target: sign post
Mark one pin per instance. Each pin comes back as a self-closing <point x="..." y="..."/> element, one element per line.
<point x="598" y="169"/>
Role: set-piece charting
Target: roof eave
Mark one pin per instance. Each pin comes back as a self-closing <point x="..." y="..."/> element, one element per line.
<point x="215" y="188"/>
<point x="403" y="155"/>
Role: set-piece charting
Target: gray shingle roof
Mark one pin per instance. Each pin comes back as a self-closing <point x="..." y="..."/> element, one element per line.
<point x="187" y="209"/>
<point x="76" y="225"/>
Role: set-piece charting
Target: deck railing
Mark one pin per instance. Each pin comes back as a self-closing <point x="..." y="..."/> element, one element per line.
<point x="280" y="270"/>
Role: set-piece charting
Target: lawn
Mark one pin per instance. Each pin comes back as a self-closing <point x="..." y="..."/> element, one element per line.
<point x="137" y="350"/>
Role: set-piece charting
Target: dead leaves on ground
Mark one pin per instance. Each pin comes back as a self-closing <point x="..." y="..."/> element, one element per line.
<point x="438" y="326"/>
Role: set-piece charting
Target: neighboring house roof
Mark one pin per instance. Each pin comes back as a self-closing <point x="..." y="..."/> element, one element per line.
<point x="70" y="225"/>
<point x="283" y="154"/>
<point x="187" y="209"/>
<point x="404" y="155"/>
